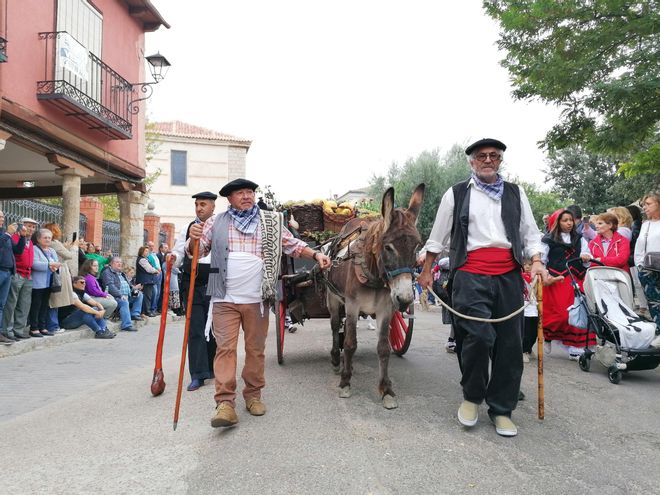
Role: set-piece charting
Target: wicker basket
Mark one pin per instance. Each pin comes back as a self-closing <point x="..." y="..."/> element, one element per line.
<point x="334" y="222"/>
<point x="309" y="217"/>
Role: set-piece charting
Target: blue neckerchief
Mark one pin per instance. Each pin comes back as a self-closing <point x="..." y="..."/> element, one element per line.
<point x="245" y="221"/>
<point x="494" y="191"/>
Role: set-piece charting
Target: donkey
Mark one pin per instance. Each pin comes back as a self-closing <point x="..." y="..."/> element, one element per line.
<point x="372" y="274"/>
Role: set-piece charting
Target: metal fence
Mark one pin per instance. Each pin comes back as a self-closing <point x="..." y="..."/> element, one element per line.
<point x="162" y="237"/>
<point x="146" y="237"/>
<point x="111" y="236"/>
<point x="16" y="209"/>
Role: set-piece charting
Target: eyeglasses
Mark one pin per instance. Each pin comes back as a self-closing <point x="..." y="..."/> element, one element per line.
<point x="81" y="282"/>
<point x="494" y="157"/>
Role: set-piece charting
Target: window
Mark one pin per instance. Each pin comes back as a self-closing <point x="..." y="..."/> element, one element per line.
<point x="179" y="168"/>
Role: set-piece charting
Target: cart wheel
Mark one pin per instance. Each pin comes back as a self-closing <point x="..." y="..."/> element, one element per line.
<point x="584" y="362"/>
<point x="614" y="374"/>
<point x="401" y="330"/>
<point x="280" y="330"/>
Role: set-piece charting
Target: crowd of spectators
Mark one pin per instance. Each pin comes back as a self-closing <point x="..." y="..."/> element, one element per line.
<point x="49" y="285"/>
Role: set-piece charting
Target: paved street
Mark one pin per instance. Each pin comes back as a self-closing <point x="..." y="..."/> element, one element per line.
<point x="79" y="419"/>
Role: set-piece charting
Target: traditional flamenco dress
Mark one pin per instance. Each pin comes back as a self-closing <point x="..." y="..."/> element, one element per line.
<point x="560" y="295"/>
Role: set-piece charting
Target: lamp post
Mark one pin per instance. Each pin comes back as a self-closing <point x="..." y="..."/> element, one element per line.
<point x="158" y="66"/>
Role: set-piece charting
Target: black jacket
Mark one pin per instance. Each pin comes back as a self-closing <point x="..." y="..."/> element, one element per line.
<point x="8" y="249"/>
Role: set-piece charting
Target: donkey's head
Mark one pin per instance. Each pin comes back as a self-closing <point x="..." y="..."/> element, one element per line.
<point x="398" y="245"/>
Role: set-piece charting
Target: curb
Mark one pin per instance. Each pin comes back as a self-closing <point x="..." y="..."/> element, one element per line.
<point x="84" y="332"/>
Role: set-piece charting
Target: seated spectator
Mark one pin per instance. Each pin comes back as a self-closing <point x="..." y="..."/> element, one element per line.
<point x="84" y="310"/>
<point x="95" y="254"/>
<point x="44" y="263"/>
<point x="609" y="247"/>
<point x="625" y="221"/>
<point x="89" y="270"/>
<point x="129" y="297"/>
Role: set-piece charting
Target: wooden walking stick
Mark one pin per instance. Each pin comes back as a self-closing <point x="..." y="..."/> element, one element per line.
<point x="158" y="381"/>
<point x="539" y="346"/>
<point x="186" y="330"/>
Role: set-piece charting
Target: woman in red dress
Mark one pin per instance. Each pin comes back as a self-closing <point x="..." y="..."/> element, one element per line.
<point x="561" y="243"/>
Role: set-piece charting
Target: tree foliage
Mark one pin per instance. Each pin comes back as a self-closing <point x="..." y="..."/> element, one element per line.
<point x="599" y="61"/>
<point x="541" y="202"/>
<point x="591" y="180"/>
<point x="438" y="172"/>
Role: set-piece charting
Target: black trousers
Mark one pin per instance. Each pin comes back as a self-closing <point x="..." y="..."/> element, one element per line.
<point x="200" y="352"/>
<point x="148" y="293"/>
<point x="495" y="346"/>
<point x="529" y="333"/>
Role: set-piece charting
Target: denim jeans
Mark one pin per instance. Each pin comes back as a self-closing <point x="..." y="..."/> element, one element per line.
<point x="129" y="308"/>
<point x="52" y="323"/>
<point x="79" y="317"/>
<point x="5" y="285"/>
<point x="156" y="293"/>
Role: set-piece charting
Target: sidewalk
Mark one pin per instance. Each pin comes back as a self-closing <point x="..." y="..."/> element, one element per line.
<point x="84" y="332"/>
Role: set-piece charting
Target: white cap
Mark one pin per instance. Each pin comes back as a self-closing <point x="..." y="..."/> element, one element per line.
<point x="28" y="220"/>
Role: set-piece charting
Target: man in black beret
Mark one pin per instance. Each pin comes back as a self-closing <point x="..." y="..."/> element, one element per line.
<point x="246" y="245"/>
<point x="201" y="351"/>
<point x="486" y="225"/>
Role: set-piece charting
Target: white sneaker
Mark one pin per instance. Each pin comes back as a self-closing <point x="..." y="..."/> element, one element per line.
<point x="450" y="347"/>
<point x="525" y="357"/>
<point x="547" y="347"/>
<point x="575" y="351"/>
<point x="371" y="326"/>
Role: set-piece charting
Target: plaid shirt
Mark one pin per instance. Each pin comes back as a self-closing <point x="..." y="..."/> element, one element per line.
<point x="244" y="243"/>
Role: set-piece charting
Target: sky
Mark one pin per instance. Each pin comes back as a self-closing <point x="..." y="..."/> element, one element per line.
<point x="331" y="93"/>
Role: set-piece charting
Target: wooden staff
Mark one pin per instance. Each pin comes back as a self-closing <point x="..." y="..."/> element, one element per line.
<point x="539" y="347"/>
<point x="158" y="381"/>
<point x="186" y="330"/>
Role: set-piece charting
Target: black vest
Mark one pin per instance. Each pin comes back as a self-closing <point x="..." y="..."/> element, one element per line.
<point x="511" y="214"/>
<point x="202" y="277"/>
<point x="560" y="252"/>
<point x="142" y="276"/>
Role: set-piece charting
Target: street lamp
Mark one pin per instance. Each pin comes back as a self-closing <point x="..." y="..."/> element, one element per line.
<point x="158" y="66"/>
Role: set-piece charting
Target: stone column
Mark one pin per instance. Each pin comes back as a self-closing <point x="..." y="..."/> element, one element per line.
<point x="70" y="200"/>
<point x="131" y="217"/>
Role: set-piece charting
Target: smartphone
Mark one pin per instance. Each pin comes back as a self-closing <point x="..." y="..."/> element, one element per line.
<point x="74" y="237"/>
<point x="19" y="227"/>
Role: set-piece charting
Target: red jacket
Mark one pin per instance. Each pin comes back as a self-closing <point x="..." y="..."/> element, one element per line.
<point x="25" y="259"/>
<point x="617" y="254"/>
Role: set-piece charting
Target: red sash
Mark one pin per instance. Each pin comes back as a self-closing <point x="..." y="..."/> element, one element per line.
<point x="489" y="261"/>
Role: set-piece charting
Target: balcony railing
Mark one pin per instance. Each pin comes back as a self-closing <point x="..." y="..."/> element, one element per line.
<point x="3" y="49"/>
<point x="83" y="86"/>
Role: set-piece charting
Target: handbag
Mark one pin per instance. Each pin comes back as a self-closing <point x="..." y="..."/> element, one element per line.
<point x="652" y="261"/>
<point x="577" y="313"/>
<point x="56" y="281"/>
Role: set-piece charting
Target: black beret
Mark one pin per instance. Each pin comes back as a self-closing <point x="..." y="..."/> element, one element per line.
<point x="237" y="184"/>
<point x="205" y="195"/>
<point x="482" y="143"/>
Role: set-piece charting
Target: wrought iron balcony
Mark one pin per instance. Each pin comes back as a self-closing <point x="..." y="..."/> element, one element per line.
<point x="83" y="86"/>
<point x="3" y="49"/>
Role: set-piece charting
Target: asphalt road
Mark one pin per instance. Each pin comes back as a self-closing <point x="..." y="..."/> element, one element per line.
<point x="79" y="419"/>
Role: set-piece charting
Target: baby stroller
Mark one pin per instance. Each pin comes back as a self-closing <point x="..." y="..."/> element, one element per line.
<point x="623" y="337"/>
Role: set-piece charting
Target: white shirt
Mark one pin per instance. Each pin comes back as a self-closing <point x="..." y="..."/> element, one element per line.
<point x="648" y="240"/>
<point x="485" y="227"/>
<point x="179" y="250"/>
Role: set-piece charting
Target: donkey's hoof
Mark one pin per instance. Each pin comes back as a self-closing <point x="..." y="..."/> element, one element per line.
<point x="390" y="402"/>
<point x="345" y="392"/>
<point x="336" y="369"/>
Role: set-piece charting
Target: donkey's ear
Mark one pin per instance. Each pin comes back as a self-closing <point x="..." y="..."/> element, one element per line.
<point x="387" y="207"/>
<point x="416" y="199"/>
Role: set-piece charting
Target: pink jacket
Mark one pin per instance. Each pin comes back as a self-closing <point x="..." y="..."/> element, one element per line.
<point x="617" y="254"/>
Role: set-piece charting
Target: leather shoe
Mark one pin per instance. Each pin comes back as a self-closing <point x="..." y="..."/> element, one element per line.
<point x="151" y="314"/>
<point x="104" y="335"/>
<point x="136" y="318"/>
<point x="225" y="415"/>
<point x="5" y="340"/>
<point x="35" y="333"/>
<point x="129" y="329"/>
<point x="256" y="407"/>
<point x="13" y="338"/>
<point x="195" y="384"/>
<point x="21" y="337"/>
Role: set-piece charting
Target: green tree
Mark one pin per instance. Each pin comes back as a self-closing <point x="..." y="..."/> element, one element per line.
<point x="598" y="61"/>
<point x="541" y="202"/>
<point x="438" y="172"/>
<point x="592" y="182"/>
